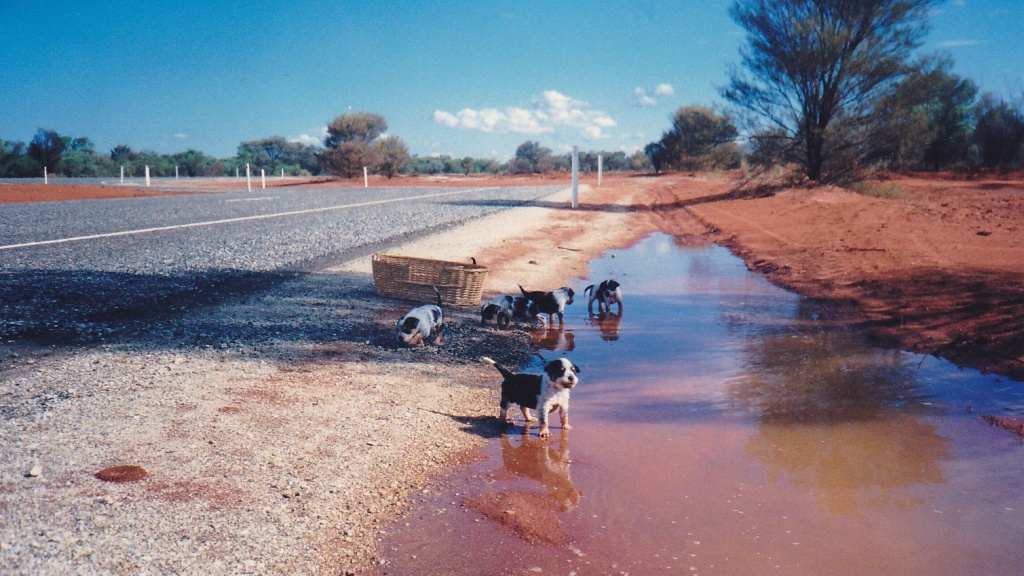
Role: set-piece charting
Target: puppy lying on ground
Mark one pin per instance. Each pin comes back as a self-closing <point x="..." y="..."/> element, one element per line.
<point x="421" y="323"/>
<point x="550" y="303"/>
<point x="542" y="392"/>
<point x="606" y="294"/>
<point x="498" y="309"/>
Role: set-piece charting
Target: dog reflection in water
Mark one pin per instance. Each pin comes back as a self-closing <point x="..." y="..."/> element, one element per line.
<point x="608" y="323"/>
<point x="538" y="460"/>
<point x="554" y="338"/>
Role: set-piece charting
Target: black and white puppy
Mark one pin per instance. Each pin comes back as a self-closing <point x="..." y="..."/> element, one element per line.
<point x="421" y="323"/>
<point x="498" y="309"/>
<point x="550" y="303"/>
<point x="606" y="294"/>
<point x="523" y="308"/>
<point x="541" y="392"/>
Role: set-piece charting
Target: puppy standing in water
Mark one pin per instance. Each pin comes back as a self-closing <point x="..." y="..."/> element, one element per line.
<point x="542" y="392"/>
<point x="549" y="303"/>
<point x="421" y="323"/>
<point x="606" y="294"/>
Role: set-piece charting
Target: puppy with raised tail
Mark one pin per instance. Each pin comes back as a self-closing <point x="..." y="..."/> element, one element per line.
<point x="545" y="392"/>
<point x="421" y="323"/>
<point x="606" y="294"/>
<point x="549" y="303"/>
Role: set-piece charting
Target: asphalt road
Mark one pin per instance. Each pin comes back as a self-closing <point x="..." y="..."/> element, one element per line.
<point x="72" y="272"/>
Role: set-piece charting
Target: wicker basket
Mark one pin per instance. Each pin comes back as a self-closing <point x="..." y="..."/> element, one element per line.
<point x="411" y="278"/>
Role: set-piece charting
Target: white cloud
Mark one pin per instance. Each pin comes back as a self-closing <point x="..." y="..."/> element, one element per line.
<point x="550" y="111"/>
<point x="311" y="140"/>
<point x="664" y="90"/>
<point x="181" y="136"/>
<point x="642" y="99"/>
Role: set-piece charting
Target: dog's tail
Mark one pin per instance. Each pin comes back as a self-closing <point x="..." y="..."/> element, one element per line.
<point x="438" y="292"/>
<point x="589" y="288"/>
<point x="504" y="371"/>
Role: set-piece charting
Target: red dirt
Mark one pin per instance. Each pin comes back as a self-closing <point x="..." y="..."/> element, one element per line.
<point x="121" y="474"/>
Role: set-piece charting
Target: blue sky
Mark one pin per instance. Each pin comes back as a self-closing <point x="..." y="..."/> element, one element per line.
<point x="472" y="78"/>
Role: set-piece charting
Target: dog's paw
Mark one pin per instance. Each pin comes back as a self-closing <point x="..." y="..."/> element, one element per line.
<point x="545" y="433"/>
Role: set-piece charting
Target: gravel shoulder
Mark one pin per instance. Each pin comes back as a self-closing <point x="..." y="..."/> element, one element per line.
<point x="277" y="455"/>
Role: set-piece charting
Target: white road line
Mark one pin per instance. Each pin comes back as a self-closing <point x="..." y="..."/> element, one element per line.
<point x="251" y="199"/>
<point x="239" y="219"/>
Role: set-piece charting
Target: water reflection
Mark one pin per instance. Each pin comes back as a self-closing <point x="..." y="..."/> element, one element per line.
<point x="812" y="371"/>
<point x="847" y="466"/>
<point x="537" y="459"/>
<point x="553" y="338"/>
<point x="837" y="414"/>
<point x="608" y="324"/>
<point x="533" y="516"/>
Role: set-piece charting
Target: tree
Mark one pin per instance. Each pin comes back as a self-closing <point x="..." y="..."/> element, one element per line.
<point x="658" y="155"/>
<point x="349" y="143"/>
<point x="11" y="152"/>
<point x="360" y="127"/>
<point x="815" y="67"/>
<point x="46" y="148"/>
<point x="696" y="133"/>
<point x="999" y="133"/>
<point x="531" y="158"/>
<point x="348" y="159"/>
<point x="392" y="155"/>
<point x="923" y="119"/>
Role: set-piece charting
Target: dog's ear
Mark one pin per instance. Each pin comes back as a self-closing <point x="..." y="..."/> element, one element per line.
<point x="576" y="369"/>
<point x="555" y="369"/>
<point x="409" y="324"/>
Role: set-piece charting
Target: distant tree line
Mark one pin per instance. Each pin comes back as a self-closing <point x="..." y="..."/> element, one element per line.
<point x="352" y="142"/>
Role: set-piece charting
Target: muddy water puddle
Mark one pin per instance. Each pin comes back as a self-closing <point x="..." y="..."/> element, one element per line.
<point x="725" y="426"/>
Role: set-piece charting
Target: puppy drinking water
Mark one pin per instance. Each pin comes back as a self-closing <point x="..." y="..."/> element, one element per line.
<point x="542" y="392"/>
<point x="550" y="303"/>
<point x="498" y="309"/>
<point x="606" y="294"/>
<point x="421" y="323"/>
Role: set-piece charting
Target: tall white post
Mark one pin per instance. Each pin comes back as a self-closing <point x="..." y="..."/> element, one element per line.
<point x="147" y="176"/>
<point x="236" y="171"/>
<point x="46" y="176"/>
<point x="282" y="172"/>
<point x="248" y="178"/>
<point x="122" y="174"/>
<point x="263" y="177"/>
<point x="175" y="172"/>
<point x="575" y="176"/>
<point x="366" y="178"/>
<point x="599" y="169"/>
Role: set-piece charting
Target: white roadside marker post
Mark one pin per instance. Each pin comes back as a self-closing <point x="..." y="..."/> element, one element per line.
<point x="366" y="178"/>
<point x="263" y="177"/>
<point x="575" y="176"/>
<point x="147" y="176"/>
<point x="248" y="178"/>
